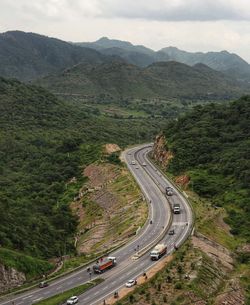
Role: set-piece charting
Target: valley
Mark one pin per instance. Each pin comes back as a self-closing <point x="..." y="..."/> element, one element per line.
<point x="71" y="114"/>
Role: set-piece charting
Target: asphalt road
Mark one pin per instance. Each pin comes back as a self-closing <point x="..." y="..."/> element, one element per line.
<point x="153" y="185"/>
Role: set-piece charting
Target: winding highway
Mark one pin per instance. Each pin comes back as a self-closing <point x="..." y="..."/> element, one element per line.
<point x="132" y="259"/>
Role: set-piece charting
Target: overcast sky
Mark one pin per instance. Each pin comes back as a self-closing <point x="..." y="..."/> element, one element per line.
<point x="192" y="25"/>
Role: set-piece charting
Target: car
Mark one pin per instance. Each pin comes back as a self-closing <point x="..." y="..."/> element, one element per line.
<point x="133" y="163"/>
<point x="171" y="232"/>
<point x="169" y="191"/>
<point x="131" y="283"/>
<point x="144" y="164"/>
<point x="43" y="284"/>
<point x="72" y="300"/>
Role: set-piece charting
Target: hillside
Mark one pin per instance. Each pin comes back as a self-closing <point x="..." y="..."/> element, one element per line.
<point x="44" y="143"/>
<point x="106" y="43"/>
<point x="230" y="64"/>
<point x="26" y="56"/>
<point x="211" y="146"/>
<point x="159" y="80"/>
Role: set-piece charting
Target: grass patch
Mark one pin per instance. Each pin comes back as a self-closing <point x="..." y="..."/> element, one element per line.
<point x="209" y="221"/>
<point x="30" y="266"/>
<point x="62" y="297"/>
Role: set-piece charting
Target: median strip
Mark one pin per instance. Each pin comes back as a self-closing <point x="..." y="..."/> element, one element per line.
<point x="60" y="298"/>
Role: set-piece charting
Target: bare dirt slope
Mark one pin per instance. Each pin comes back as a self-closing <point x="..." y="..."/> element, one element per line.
<point x="110" y="207"/>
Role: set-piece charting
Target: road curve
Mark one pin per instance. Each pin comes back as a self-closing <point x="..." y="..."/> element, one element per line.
<point x="152" y="184"/>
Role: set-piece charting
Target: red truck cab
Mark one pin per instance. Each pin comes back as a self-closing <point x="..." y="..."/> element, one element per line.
<point x="104" y="264"/>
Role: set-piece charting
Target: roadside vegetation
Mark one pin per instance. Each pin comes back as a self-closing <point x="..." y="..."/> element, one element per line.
<point x="211" y="146"/>
<point x="30" y="266"/>
<point x="61" y="298"/>
<point x="45" y="144"/>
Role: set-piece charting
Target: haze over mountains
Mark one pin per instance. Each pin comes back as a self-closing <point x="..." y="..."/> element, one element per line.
<point x="228" y="63"/>
<point x="120" y="69"/>
<point x="27" y="56"/>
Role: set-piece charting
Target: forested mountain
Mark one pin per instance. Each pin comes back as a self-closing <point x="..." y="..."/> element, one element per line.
<point x="43" y="144"/>
<point x="159" y="80"/>
<point x="228" y="63"/>
<point x="26" y="56"/>
<point x="212" y="145"/>
<point x="106" y="43"/>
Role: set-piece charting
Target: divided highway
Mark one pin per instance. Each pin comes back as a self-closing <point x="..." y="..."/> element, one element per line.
<point x="152" y="184"/>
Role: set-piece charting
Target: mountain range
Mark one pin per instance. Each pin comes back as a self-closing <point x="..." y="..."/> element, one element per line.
<point x="120" y="69"/>
<point x="27" y="56"/>
<point x="119" y="79"/>
<point x="228" y="63"/>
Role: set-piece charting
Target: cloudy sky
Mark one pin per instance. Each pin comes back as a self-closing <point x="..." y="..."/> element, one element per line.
<point x="192" y="25"/>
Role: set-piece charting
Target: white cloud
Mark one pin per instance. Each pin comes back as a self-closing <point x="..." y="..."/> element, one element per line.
<point x="169" y="10"/>
<point x="193" y="25"/>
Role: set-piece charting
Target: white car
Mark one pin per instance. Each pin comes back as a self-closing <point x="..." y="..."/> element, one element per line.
<point x="133" y="162"/>
<point x="144" y="164"/>
<point x="72" y="300"/>
<point x="131" y="283"/>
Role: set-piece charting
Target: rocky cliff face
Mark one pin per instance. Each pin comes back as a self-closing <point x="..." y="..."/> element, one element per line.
<point x="160" y="151"/>
<point x="163" y="155"/>
<point x="10" y="278"/>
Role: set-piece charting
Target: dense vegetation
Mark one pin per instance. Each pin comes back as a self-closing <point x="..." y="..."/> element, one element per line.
<point x="30" y="266"/>
<point x="164" y="80"/>
<point x="43" y="144"/>
<point x="212" y="145"/>
<point x="228" y="63"/>
<point x="26" y="56"/>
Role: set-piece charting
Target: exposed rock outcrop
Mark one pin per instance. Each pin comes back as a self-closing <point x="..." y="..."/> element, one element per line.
<point x="10" y="278"/>
<point x="112" y="148"/>
<point x="160" y="151"/>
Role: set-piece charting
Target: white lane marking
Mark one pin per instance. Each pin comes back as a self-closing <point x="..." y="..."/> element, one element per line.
<point x="29" y="296"/>
<point x="37" y="299"/>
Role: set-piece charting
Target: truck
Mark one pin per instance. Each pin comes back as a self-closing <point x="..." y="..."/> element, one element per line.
<point x="176" y="208"/>
<point x="104" y="264"/>
<point x="158" y="251"/>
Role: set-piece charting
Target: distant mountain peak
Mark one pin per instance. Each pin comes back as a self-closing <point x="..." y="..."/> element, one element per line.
<point x="107" y="42"/>
<point x="104" y="38"/>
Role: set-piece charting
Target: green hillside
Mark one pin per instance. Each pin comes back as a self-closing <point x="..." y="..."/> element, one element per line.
<point x="26" y="56"/>
<point x="230" y="64"/>
<point x="43" y="144"/>
<point x="160" y="80"/>
<point x="211" y="144"/>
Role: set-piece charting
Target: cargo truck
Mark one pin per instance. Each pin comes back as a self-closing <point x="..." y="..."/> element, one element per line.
<point x="158" y="251"/>
<point x="176" y="208"/>
<point x="104" y="264"/>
